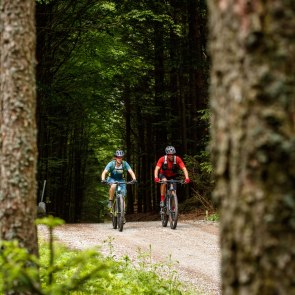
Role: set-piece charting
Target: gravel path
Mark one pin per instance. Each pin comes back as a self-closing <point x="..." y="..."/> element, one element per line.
<point x="193" y="246"/>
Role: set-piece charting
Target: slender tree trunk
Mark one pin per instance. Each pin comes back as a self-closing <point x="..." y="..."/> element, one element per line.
<point x="160" y="133"/>
<point x="198" y="98"/>
<point x="127" y="115"/>
<point x="18" y="126"/>
<point x="253" y="140"/>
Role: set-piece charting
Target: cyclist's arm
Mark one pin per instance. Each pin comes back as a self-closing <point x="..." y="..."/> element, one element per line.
<point x="132" y="174"/>
<point x="185" y="172"/>
<point x="108" y="168"/>
<point x="103" y="174"/>
<point x="156" y="172"/>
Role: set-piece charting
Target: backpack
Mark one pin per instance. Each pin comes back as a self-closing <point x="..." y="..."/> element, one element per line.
<point x="114" y="167"/>
<point x="174" y="165"/>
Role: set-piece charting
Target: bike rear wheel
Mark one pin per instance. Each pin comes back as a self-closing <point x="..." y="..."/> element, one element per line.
<point x="121" y="213"/>
<point x="173" y="211"/>
<point x="114" y="215"/>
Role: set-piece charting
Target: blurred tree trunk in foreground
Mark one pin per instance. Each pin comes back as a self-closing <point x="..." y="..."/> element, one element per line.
<point x="18" y="127"/>
<point x="252" y="46"/>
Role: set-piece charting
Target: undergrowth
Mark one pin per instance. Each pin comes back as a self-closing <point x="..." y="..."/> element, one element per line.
<point x="66" y="271"/>
<point x="212" y="217"/>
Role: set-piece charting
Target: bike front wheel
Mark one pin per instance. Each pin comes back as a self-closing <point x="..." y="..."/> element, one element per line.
<point x="173" y="211"/>
<point x="121" y="213"/>
<point x="164" y="215"/>
<point x="114" y="216"/>
<point x="164" y="218"/>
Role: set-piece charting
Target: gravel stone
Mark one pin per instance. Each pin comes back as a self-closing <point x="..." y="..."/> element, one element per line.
<point x="193" y="246"/>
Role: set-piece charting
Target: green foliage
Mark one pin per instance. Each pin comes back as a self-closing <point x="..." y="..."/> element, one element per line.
<point x="18" y="268"/>
<point x="205" y="164"/>
<point x="205" y="114"/>
<point x="201" y="174"/>
<point x="200" y="169"/>
<point x="106" y="77"/>
<point x="50" y="221"/>
<point x="72" y="270"/>
<point x="84" y="272"/>
<point x="212" y="217"/>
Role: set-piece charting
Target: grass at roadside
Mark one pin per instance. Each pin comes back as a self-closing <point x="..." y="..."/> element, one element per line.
<point x="60" y="270"/>
<point x="109" y="276"/>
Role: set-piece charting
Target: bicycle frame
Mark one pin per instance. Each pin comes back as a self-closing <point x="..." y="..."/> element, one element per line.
<point x="170" y="211"/>
<point x="118" y="208"/>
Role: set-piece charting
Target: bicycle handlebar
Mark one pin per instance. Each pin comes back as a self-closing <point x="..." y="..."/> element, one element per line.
<point x="124" y="182"/>
<point x="172" y="181"/>
<point x="120" y="182"/>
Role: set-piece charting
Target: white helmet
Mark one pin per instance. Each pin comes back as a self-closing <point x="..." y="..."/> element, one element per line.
<point x="170" y="150"/>
<point x="119" y="153"/>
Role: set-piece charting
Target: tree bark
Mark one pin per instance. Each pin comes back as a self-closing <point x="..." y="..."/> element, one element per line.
<point x="252" y="45"/>
<point x="18" y="126"/>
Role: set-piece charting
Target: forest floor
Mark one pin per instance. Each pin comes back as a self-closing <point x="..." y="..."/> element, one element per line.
<point x="193" y="247"/>
<point x="197" y="214"/>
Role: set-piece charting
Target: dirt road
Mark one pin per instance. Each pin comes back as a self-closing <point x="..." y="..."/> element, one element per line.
<point x="193" y="246"/>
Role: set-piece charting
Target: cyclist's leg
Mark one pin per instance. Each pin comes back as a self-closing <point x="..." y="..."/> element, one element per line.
<point x="123" y="191"/>
<point x="162" y="189"/>
<point x="123" y="188"/>
<point x="111" y="190"/>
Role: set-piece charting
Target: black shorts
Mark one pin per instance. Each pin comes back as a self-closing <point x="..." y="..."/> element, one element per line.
<point x="161" y="176"/>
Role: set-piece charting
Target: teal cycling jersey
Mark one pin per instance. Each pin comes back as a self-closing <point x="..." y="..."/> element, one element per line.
<point x="117" y="173"/>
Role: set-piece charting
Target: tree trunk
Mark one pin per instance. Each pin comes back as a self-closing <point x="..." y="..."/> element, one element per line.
<point x="197" y="97"/>
<point x="18" y="126"/>
<point x="160" y="117"/>
<point x="252" y="46"/>
<point x="127" y="115"/>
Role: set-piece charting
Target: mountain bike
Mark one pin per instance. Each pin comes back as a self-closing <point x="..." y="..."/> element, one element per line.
<point x="170" y="209"/>
<point x="118" y="207"/>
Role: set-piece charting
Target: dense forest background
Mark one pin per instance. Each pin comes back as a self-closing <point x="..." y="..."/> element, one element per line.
<point x="133" y="75"/>
<point x="119" y="74"/>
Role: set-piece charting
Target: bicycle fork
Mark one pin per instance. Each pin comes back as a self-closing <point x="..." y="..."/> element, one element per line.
<point x="169" y="197"/>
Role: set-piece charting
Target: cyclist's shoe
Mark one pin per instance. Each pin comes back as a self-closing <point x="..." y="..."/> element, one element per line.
<point x="110" y="204"/>
<point x="162" y="205"/>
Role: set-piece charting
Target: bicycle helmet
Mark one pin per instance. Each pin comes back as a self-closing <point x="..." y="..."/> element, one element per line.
<point x="170" y="150"/>
<point x="119" y="153"/>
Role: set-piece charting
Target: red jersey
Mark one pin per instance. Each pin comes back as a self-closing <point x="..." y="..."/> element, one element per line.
<point x="169" y="173"/>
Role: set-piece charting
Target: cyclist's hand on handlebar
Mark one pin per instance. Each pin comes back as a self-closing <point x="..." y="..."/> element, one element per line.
<point x="187" y="180"/>
<point x="133" y="181"/>
<point x="157" y="179"/>
<point x="103" y="181"/>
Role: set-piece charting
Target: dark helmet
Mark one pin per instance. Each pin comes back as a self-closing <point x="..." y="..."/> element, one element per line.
<point x="170" y="150"/>
<point x="119" y="153"/>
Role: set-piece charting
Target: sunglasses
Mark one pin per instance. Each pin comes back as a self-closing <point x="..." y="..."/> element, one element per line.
<point x="119" y="157"/>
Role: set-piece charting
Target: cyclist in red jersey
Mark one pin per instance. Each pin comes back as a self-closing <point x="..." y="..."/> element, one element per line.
<point x="166" y="168"/>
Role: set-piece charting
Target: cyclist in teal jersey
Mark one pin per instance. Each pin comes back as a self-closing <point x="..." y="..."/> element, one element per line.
<point x="115" y="169"/>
